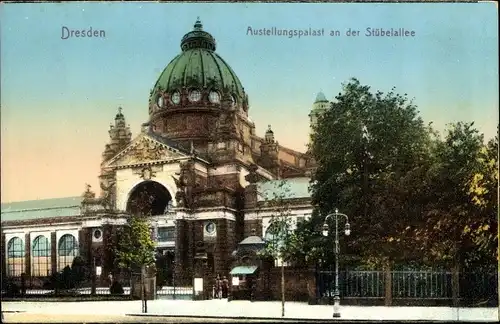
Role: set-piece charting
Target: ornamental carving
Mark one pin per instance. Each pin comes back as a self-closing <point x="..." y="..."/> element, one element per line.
<point x="147" y="150"/>
<point x="185" y="182"/>
<point x="88" y="194"/>
<point x="252" y="176"/>
<point x="108" y="195"/>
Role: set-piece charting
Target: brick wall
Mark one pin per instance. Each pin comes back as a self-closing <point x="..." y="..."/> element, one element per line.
<point x="300" y="284"/>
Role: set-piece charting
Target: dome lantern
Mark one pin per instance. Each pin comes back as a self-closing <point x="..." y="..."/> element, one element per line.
<point x="198" y="38"/>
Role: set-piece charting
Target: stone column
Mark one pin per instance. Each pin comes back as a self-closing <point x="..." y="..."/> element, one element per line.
<point x="180" y="251"/>
<point x="107" y="250"/>
<point x="84" y="245"/>
<point x="27" y="254"/>
<point x="388" y="285"/>
<point x="53" y="252"/>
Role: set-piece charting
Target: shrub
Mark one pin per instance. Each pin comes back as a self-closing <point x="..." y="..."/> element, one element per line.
<point x="116" y="288"/>
<point x="12" y="289"/>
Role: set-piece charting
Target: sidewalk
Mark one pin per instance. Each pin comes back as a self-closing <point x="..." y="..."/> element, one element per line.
<point x="247" y="309"/>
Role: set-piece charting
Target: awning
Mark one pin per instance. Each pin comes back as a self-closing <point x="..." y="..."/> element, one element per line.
<point x="243" y="270"/>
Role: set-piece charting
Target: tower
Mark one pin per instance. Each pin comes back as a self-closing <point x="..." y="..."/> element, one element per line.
<point x="320" y="105"/>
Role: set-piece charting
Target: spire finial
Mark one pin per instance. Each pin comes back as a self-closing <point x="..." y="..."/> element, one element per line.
<point x="197" y="24"/>
<point x="119" y="110"/>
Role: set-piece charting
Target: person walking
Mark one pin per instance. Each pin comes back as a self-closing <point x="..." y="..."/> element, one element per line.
<point x="225" y="287"/>
<point x="110" y="278"/>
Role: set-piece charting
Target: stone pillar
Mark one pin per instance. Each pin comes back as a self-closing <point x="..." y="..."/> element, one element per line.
<point x="107" y="250"/>
<point x="180" y="251"/>
<point x="388" y="285"/>
<point x="84" y="245"/>
<point x="53" y="253"/>
<point x="27" y="254"/>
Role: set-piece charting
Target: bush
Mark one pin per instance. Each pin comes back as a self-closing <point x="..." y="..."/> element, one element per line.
<point x="11" y="289"/>
<point x="116" y="288"/>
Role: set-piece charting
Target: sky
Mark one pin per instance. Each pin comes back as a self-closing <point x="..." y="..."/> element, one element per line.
<point x="58" y="96"/>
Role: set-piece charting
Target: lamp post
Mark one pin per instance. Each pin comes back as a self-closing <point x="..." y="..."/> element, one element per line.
<point x="336" y="214"/>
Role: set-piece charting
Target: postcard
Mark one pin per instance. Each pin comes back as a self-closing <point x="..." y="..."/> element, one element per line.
<point x="249" y="161"/>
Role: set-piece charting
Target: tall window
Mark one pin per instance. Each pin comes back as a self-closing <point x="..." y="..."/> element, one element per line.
<point x="166" y="234"/>
<point x="41" y="257"/>
<point x="67" y="250"/>
<point x="15" y="257"/>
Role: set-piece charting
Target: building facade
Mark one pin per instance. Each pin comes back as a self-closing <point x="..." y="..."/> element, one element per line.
<point x="198" y="157"/>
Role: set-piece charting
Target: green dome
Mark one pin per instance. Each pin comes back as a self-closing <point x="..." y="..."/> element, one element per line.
<point x="198" y="66"/>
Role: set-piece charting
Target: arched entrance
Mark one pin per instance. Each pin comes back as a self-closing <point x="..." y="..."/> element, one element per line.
<point x="148" y="198"/>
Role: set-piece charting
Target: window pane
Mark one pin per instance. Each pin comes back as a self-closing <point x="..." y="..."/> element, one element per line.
<point x="15" y="257"/>
<point x="166" y="234"/>
<point x="41" y="264"/>
<point x="67" y="250"/>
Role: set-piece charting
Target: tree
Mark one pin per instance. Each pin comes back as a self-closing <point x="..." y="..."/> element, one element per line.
<point x="277" y="235"/>
<point x="135" y="246"/>
<point x="367" y="146"/>
<point x="460" y="222"/>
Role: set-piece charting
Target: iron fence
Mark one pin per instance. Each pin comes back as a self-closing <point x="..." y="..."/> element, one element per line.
<point x="365" y="284"/>
<point x="436" y="285"/>
<point x="421" y="284"/>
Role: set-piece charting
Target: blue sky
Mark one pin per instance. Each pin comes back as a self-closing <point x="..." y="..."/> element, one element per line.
<point x="56" y="92"/>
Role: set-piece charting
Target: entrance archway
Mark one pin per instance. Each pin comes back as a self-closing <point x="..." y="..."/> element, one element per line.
<point x="148" y="198"/>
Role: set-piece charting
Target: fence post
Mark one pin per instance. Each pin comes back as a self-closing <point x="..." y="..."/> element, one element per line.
<point x="455" y="285"/>
<point x="388" y="285"/>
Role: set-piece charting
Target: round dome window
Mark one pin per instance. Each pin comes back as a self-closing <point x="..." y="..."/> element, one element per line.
<point x="176" y="97"/>
<point x="194" y="96"/>
<point x="210" y="228"/>
<point x="160" y="101"/>
<point x="214" y="97"/>
<point x="97" y="234"/>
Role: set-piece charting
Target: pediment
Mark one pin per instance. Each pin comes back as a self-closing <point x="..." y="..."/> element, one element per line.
<point x="144" y="150"/>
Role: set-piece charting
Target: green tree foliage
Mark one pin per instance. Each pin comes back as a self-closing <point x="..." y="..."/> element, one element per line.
<point x="411" y="196"/>
<point x="135" y="246"/>
<point x="368" y="146"/>
<point x="460" y="226"/>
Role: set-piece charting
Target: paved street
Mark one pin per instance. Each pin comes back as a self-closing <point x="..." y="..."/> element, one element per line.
<point x="115" y="310"/>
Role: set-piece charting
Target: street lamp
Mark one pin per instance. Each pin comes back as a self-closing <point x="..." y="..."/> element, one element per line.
<point x="336" y="298"/>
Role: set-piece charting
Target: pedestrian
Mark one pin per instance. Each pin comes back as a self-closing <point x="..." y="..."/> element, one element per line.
<point x="218" y="284"/>
<point x="225" y="287"/>
<point x="110" y="278"/>
<point x="214" y="289"/>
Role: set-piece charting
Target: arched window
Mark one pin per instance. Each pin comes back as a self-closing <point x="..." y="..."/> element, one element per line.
<point x="41" y="264"/>
<point x="67" y="250"/>
<point x="15" y="257"/>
